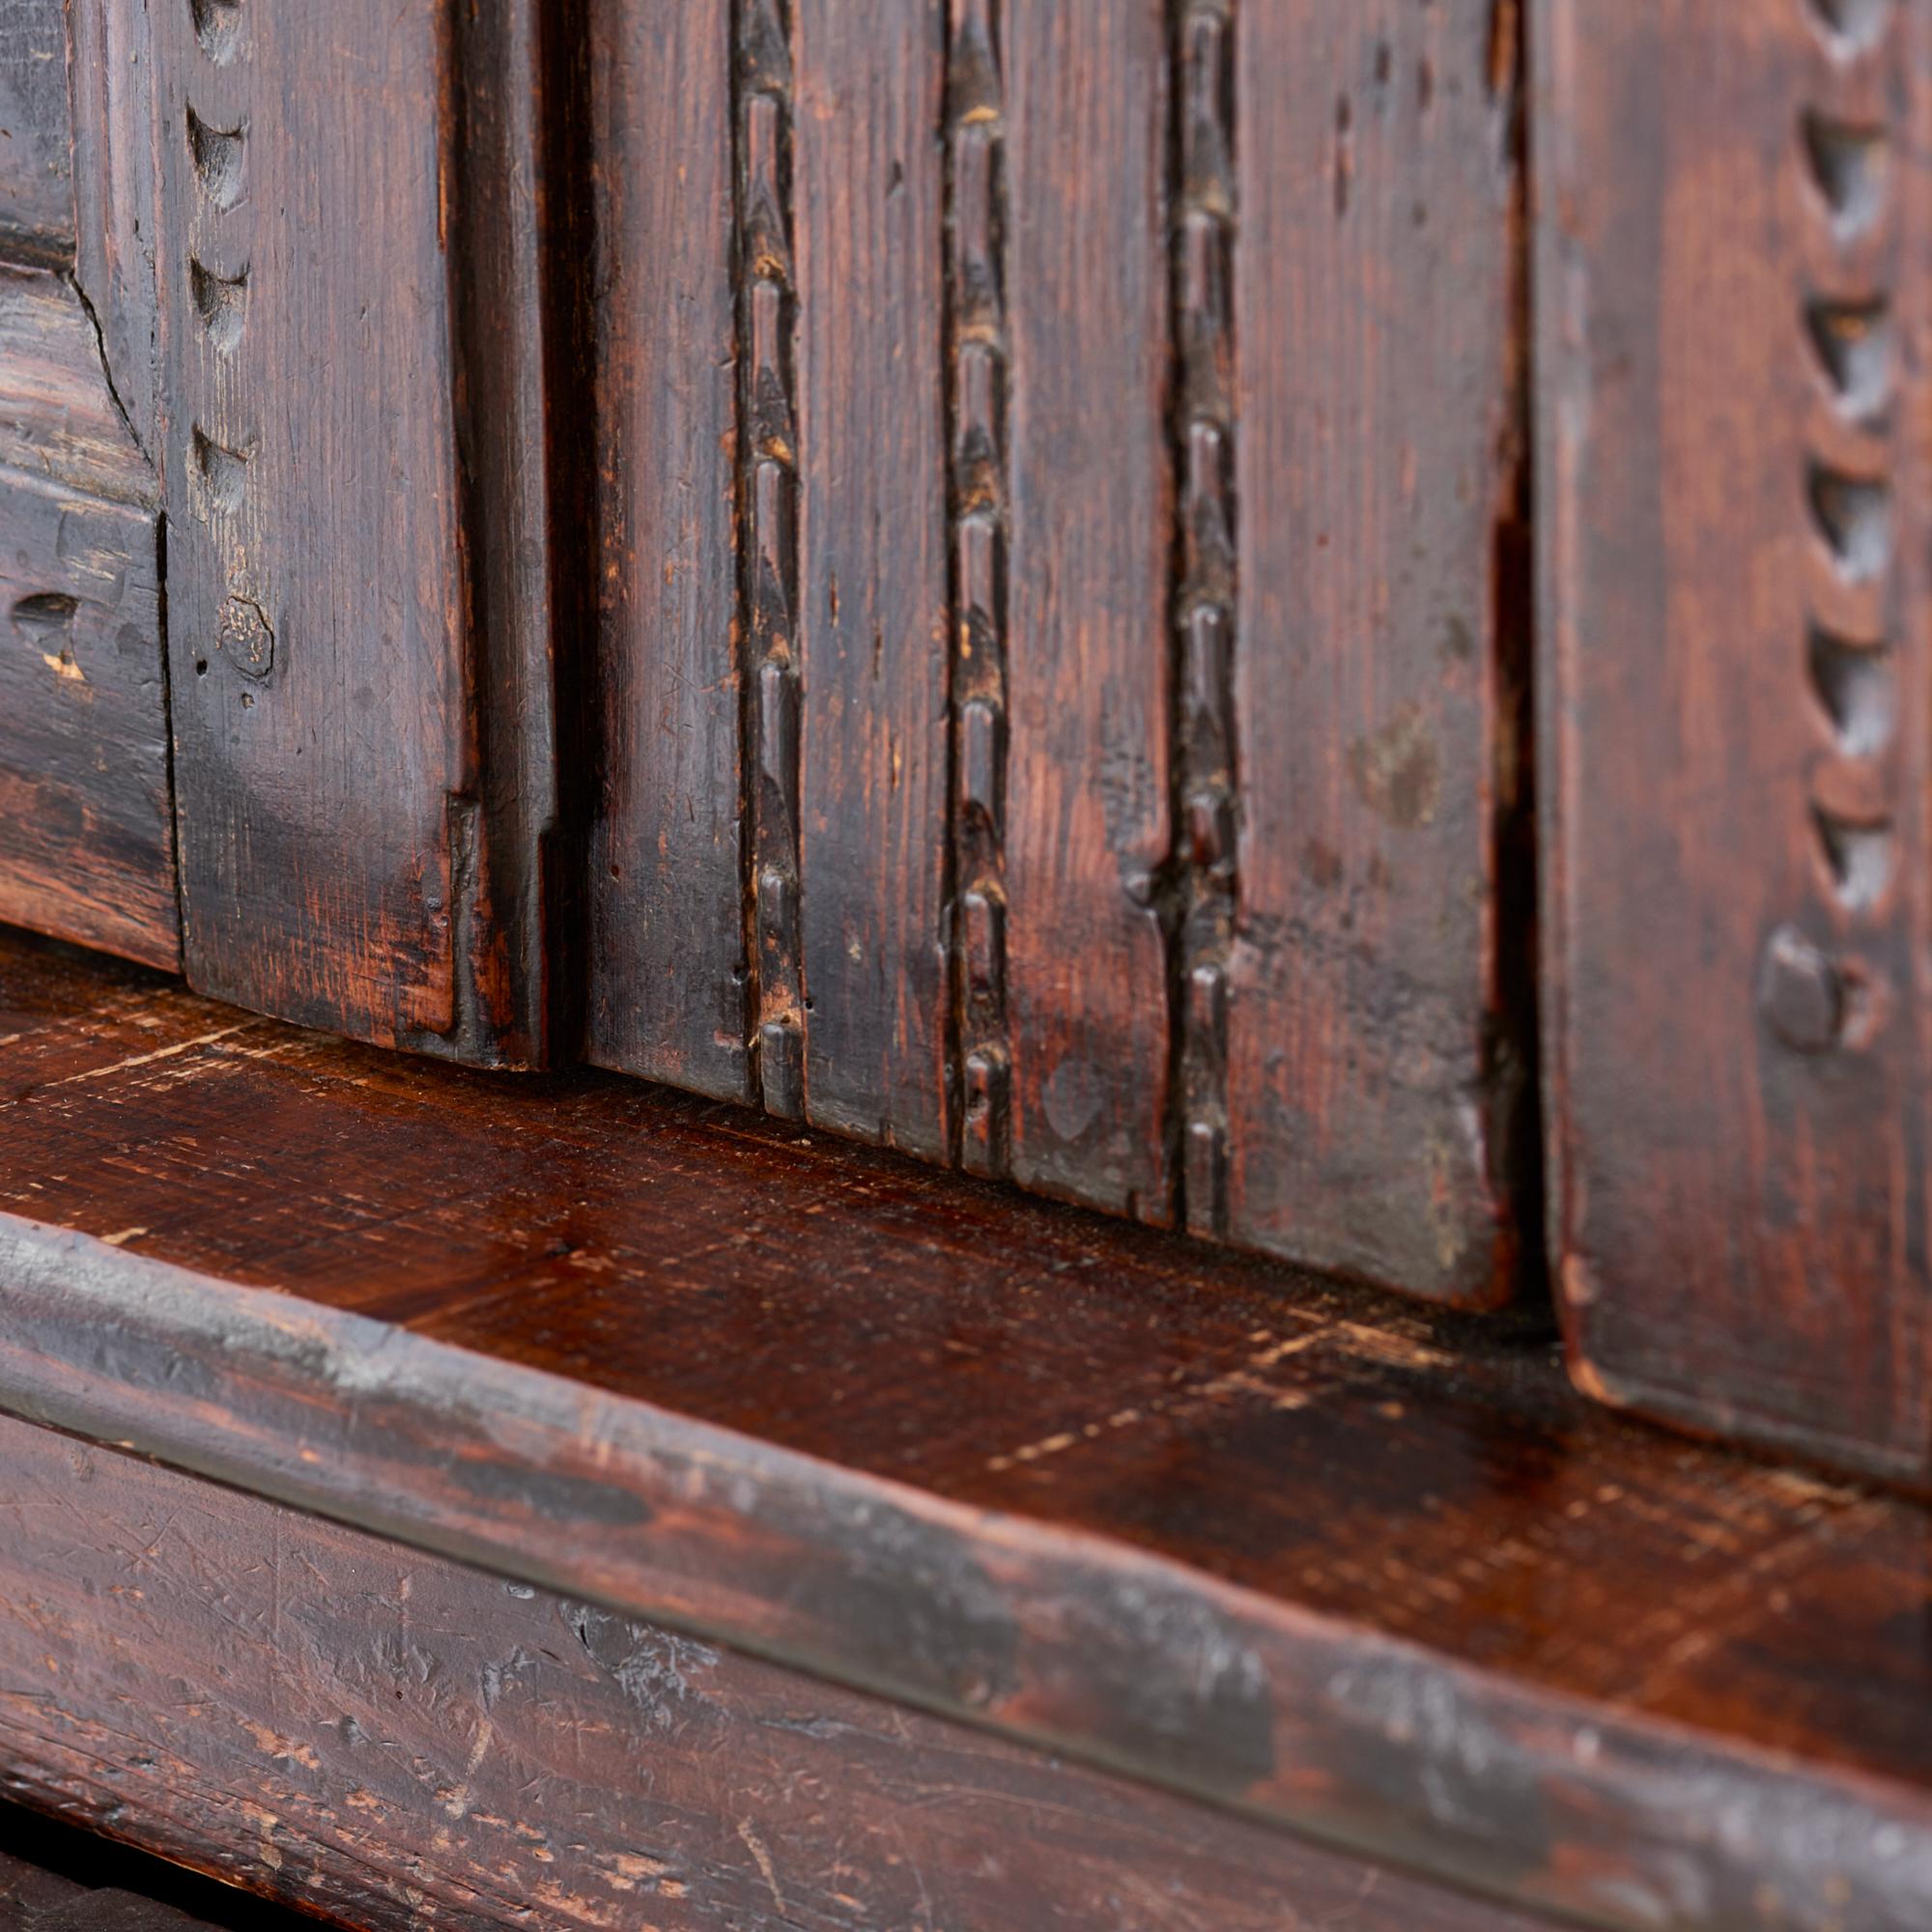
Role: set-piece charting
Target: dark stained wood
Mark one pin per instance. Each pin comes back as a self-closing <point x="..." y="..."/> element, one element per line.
<point x="357" y="1728"/>
<point x="86" y="828"/>
<point x="351" y="855"/>
<point x="1735" y="544"/>
<point x="86" y="838"/>
<point x="872" y="625"/>
<point x="111" y="74"/>
<point x="37" y="210"/>
<point x="1003" y="816"/>
<point x="61" y="420"/>
<point x="1373" y="1573"/>
<point x="1086" y="757"/>
<point x="35" y="1900"/>
<point x="668" y="962"/>
<point x="1374" y="1063"/>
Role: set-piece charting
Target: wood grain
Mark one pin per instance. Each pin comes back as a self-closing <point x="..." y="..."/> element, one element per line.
<point x="61" y="415"/>
<point x="668" y="974"/>
<point x="1733" y="529"/>
<point x="357" y="1728"/>
<point x="36" y="211"/>
<point x="1373" y="1573"/>
<point x="115" y="197"/>
<point x="86" y="824"/>
<point x="872" y="622"/>
<point x="347" y="859"/>
<point x="1375" y="1060"/>
<point x="1086" y="776"/>
<point x="86" y="836"/>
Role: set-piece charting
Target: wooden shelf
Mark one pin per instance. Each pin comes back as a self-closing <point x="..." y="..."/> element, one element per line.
<point x="1374" y="1575"/>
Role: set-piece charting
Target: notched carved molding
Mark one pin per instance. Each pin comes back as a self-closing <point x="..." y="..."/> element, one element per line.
<point x="1202" y="867"/>
<point x="769" y="581"/>
<point x="979" y="502"/>
<point x="1815" y="997"/>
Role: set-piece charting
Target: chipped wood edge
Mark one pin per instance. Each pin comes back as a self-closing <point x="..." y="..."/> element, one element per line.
<point x="1059" y="1639"/>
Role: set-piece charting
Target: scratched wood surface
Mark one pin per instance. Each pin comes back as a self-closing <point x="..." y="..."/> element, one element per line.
<point x="37" y="199"/>
<point x="334" y="187"/>
<point x="1735" y="538"/>
<point x="873" y="616"/>
<point x="384" y="1737"/>
<point x="1378" y="1030"/>
<point x="1373" y="1572"/>
<point x="1008" y="813"/>
<point x="86" y="826"/>
<point x="1085" y="780"/>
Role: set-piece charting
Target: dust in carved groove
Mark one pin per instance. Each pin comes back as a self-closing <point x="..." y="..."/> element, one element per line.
<point x="1859" y="857"/>
<point x="218" y="26"/>
<point x="1854" y="344"/>
<point x="220" y="301"/>
<point x="217" y="153"/>
<point x="1855" y="24"/>
<point x="1848" y="164"/>
<point x="1853" y="517"/>
<point x="1856" y="685"/>
<point x="223" y="473"/>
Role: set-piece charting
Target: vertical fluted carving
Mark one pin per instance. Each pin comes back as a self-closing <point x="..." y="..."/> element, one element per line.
<point x="1204" y="779"/>
<point x="978" y="504"/>
<point x="769" y="484"/>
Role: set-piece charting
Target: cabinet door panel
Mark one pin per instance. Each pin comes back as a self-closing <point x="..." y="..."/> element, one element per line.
<point x="1107" y="773"/>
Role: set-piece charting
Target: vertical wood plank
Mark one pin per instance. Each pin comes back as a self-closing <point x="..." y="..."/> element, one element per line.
<point x="1370" y="1079"/>
<point x="343" y="859"/>
<point x="1087" y="772"/>
<point x="667" y="964"/>
<point x="1735" y="316"/>
<point x="872" y="621"/>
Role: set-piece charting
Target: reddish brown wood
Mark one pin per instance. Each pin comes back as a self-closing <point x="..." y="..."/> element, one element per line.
<point x="872" y="626"/>
<point x="1375" y="1058"/>
<point x="668" y="961"/>
<point x="1374" y="1573"/>
<point x="351" y="853"/>
<point x="1735" y="555"/>
<point x="363" y="1730"/>
<point x="1085" y="780"/>
<point x="36" y="153"/>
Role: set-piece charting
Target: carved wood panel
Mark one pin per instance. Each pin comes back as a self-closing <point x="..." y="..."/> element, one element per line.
<point x="946" y="569"/>
<point x="1091" y="831"/>
<point x="353" y="459"/>
<point x="1735" y="557"/>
